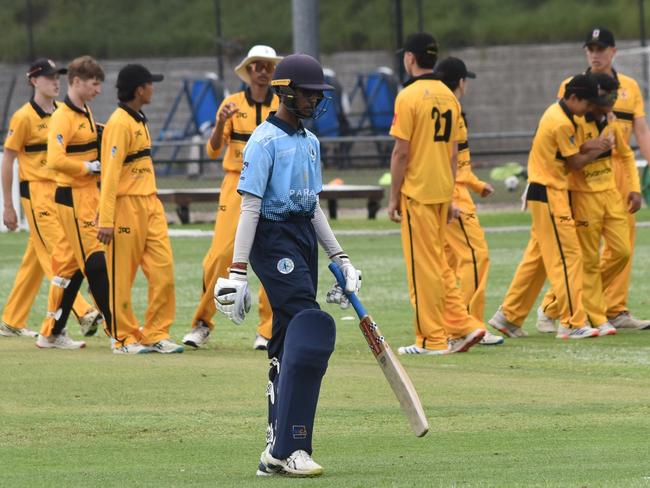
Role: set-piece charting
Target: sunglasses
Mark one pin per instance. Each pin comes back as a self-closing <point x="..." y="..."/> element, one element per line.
<point x="259" y="66"/>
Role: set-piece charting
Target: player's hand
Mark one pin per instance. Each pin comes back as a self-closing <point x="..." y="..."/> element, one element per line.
<point x="9" y="217"/>
<point x="453" y="212"/>
<point x="338" y="296"/>
<point x="350" y="273"/>
<point x="487" y="191"/>
<point x="394" y="212"/>
<point x="232" y="297"/>
<point x="93" y="167"/>
<point x="227" y="112"/>
<point x="105" y="235"/>
<point x="633" y="202"/>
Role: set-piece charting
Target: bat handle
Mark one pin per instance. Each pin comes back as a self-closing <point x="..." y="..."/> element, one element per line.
<point x="354" y="300"/>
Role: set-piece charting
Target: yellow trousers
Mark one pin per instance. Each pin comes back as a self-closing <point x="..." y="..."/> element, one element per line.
<point x="219" y="257"/>
<point x="37" y="198"/>
<point x="598" y="215"/>
<point x="140" y="239"/>
<point x="439" y="309"/>
<point x="77" y="213"/>
<point x="553" y="251"/>
<point x="467" y="254"/>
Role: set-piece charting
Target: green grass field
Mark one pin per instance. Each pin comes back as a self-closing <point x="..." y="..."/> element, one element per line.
<point x="532" y="412"/>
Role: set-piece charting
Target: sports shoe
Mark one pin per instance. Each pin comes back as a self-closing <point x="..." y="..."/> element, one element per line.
<point x="500" y="323"/>
<point x="299" y="465"/>
<point x="262" y="468"/>
<point x="90" y="322"/>
<point x="606" y="329"/>
<point x="7" y="330"/>
<point x="198" y="336"/>
<point x="59" y="341"/>
<point x="463" y="344"/>
<point x="545" y="324"/>
<point x="133" y="348"/>
<point x="260" y="343"/>
<point x="490" y="339"/>
<point x="625" y="320"/>
<point x="166" y="347"/>
<point x="580" y="333"/>
<point x="413" y="349"/>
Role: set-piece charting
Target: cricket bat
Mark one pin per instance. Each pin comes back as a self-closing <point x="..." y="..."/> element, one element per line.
<point x="393" y="370"/>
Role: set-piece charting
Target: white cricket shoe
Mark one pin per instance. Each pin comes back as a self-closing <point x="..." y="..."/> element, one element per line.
<point x="490" y="339"/>
<point x="166" y="347"/>
<point x="133" y="348"/>
<point x="545" y="324"/>
<point x="7" y="330"/>
<point x="90" y="322"/>
<point x="606" y="329"/>
<point x="463" y="344"/>
<point x="413" y="349"/>
<point x="500" y="323"/>
<point x="59" y="341"/>
<point x="299" y="465"/>
<point x="579" y="333"/>
<point x="198" y="336"/>
<point x="260" y="343"/>
<point x="625" y="320"/>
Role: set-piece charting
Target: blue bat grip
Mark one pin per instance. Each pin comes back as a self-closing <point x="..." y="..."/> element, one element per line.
<point x="354" y="300"/>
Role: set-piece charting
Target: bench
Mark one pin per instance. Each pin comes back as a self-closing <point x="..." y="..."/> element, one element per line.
<point x="183" y="198"/>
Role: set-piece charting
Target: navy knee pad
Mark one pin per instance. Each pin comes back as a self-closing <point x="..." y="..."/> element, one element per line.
<point x="308" y="345"/>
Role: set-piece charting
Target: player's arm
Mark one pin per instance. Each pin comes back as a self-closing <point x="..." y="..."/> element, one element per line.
<point x="222" y="130"/>
<point x="578" y="157"/>
<point x="9" y="216"/>
<point x="398" y="162"/>
<point x="58" y="138"/>
<point x="628" y="161"/>
<point x="115" y="144"/>
<point x="642" y="136"/>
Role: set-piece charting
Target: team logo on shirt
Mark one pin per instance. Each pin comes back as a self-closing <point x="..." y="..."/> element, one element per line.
<point x="113" y="151"/>
<point x="285" y="265"/>
<point x="59" y="138"/>
<point x="312" y="152"/>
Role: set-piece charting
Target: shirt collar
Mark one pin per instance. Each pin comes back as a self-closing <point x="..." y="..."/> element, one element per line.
<point x="614" y="73"/>
<point x="72" y="106"/>
<point x="289" y="129"/>
<point x="37" y="108"/>
<point x="567" y="112"/>
<point x="267" y="100"/>
<point x="138" y="116"/>
<point x="426" y="76"/>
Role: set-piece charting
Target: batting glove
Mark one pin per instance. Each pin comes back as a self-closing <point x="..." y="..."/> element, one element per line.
<point x="232" y="297"/>
<point x="336" y="294"/>
<point x="93" y="167"/>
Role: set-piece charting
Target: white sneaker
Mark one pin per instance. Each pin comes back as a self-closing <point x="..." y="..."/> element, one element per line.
<point x="545" y="324"/>
<point x="262" y="468"/>
<point x="166" y="347"/>
<point x="500" y="323"/>
<point x="260" y="343"/>
<point x="606" y="329"/>
<point x="413" y="349"/>
<point x="625" y="320"/>
<point x="299" y="465"/>
<point x="580" y="333"/>
<point x="198" y="336"/>
<point x="7" y="330"/>
<point x="60" y="341"/>
<point x="90" y="322"/>
<point x="490" y="339"/>
<point x="133" y="348"/>
<point x="463" y="344"/>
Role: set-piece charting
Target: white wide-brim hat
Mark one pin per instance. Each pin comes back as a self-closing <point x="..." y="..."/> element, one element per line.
<point x="256" y="53"/>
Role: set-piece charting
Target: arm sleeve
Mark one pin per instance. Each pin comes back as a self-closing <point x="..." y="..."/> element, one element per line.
<point x="565" y="138"/>
<point x="17" y="134"/>
<point x="324" y="233"/>
<point x="115" y="146"/>
<point x="246" y="228"/>
<point x="57" y="140"/>
<point x="627" y="160"/>
<point x="402" y="126"/>
<point x="473" y="181"/>
<point x="256" y="170"/>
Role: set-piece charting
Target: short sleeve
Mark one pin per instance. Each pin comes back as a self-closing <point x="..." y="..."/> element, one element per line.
<point x="402" y="125"/>
<point x="17" y="133"/>
<point x="565" y="138"/>
<point x="256" y="170"/>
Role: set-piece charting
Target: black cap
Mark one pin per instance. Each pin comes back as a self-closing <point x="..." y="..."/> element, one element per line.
<point x="134" y="75"/>
<point x="44" y="67"/>
<point x="600" y="36"/>
<point x="584" y="86"/>
<point x="421" y="43"/>
<point x="452" y="69"/>
<point x="300" y="71"/>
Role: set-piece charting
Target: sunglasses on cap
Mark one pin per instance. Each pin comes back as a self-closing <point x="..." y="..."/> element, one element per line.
<point x="259" y="66"/>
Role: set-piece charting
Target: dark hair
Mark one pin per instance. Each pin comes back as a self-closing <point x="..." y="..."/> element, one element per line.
<point x="452" y="84"/>
<point x="424" y="60"/>
<point x="126" y="94"/>
<point x="85" y="68"/>
<point x="605" y="82"/>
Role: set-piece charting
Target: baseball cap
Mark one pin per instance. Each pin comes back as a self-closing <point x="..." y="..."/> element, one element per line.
<point x="600" y="36"/>
<point x="44" y="67"/>
<point x="452" y="69"/>
<point x="132" y="76"/>
<point x="584" y="86"/>
<point x="420" y="43"/>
